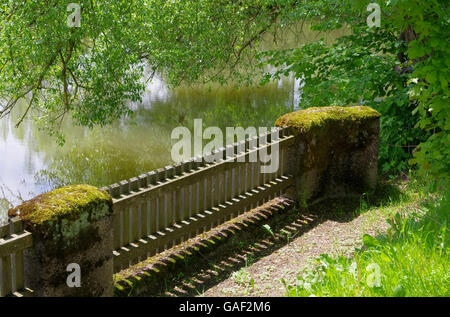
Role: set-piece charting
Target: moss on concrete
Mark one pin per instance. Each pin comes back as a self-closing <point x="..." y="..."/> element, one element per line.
<point x="64" y="219"/>
<point x="304" y="120"/>
<point x="336" y="149"/>
<point x="65" y="204"/>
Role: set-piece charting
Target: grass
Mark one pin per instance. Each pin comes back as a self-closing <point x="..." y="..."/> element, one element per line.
<point x="242" y="277"/>
<point x="411" y="259"/>
<point x="253" y="261"/>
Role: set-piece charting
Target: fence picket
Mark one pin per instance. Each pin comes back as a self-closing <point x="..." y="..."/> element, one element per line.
<point x="135" y="224"/>
<point x="6" y="286"/>
<point x="161" y="208"/>
<point x="165" y="207"/>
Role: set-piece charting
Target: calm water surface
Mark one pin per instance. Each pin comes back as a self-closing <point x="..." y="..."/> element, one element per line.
<point x="31" y="163"/>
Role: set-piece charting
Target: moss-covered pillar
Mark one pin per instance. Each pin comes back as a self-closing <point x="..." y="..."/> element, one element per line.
<point x="72" y="228"/>
<point x="336" y="150"/>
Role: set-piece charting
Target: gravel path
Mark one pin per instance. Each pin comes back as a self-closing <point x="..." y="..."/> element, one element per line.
<point x="263" y="277"/>
<point x="255" y="263"/>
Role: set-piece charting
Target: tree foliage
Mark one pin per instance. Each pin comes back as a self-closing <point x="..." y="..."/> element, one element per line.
<point x="91" y="72"/>
<point x="400" y="69"/>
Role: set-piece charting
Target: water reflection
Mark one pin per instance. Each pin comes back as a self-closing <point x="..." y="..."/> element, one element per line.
<point x="31" y="163"/>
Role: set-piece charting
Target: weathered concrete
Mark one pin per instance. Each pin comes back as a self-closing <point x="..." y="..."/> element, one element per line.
<point x="336" y="151"/>
<point x="72" y="224"/>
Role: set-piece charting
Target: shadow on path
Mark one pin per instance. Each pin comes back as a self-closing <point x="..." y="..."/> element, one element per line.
<point x="251" y="245"/>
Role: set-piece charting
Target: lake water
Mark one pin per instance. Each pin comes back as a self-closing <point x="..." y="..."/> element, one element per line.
<point x="31" y="163"/>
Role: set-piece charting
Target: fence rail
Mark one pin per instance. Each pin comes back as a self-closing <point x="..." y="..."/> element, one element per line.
<point x="160" y="209"/>
<point x="13" y="241"/>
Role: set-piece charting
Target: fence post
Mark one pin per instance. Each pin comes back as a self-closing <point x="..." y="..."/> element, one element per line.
<point x="335" y="152"/>
<point x="72" y="228"/>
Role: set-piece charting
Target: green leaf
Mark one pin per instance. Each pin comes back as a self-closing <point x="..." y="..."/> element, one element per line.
<point x="431" y="77"/>
<point x="267" y="228"/>
<point x="416" y="52"/>
<point x="444" y="82"/>
<point x="399" y="291"/>
<point x="370" y="241"/>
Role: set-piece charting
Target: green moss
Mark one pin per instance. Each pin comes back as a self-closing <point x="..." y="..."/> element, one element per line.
<point x="304" y="120"/>
<point x="65" y="203"/>
<point x="335" y="145"/>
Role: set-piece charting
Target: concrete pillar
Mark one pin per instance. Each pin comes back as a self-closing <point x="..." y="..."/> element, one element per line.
<point x="335" y="152"/>
<point x="71" y="227"/>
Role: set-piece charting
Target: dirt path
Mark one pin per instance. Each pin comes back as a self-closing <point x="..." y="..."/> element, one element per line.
<point x="333" y="236"/>
<point x="254" y="263"/>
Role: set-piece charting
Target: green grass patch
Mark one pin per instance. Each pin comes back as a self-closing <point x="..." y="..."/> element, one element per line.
<point x="411" y="259"/>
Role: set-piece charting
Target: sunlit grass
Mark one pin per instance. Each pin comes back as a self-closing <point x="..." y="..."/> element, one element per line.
<point x="411" y="259"/>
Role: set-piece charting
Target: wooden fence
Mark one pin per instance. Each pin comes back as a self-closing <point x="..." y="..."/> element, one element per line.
<point x="160" y="209"/>
<point x="13" y="241"/>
